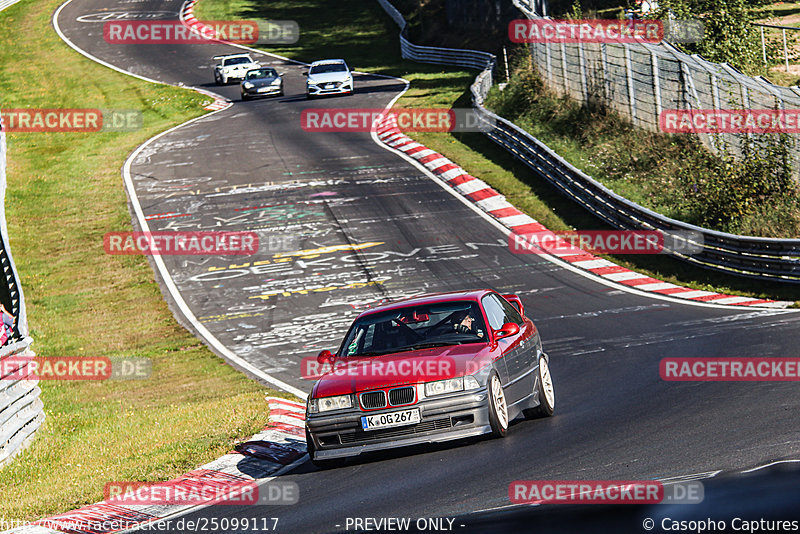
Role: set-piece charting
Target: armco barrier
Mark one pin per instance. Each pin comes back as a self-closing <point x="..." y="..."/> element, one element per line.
<point x="755" y="257"/>
<point x="7" y="3"/>
<point x="20" y="407"/>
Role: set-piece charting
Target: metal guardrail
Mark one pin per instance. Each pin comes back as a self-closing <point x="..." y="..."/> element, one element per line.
<point x="21" y="409"/>
<point x="754" y="257"/>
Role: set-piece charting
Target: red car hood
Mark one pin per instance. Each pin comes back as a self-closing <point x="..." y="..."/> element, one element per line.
<point x="354" y="374"/>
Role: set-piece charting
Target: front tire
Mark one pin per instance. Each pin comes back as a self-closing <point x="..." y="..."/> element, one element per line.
<point x="498" y="408"/>
<point x="321" y="464"/>
<point x="547" y="396"/>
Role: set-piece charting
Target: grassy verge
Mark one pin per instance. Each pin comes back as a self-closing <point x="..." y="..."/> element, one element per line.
<point x="64" y="193"/>
<point x="433" y="86"/>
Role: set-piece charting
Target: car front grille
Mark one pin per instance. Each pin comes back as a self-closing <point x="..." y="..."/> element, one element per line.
<point x="400" y="396"/>
<point x="425" y="426"/>
<point x="373" y="400"/>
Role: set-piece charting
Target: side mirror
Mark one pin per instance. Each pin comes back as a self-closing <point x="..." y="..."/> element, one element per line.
<point x="508" y="329"/>
<point x="305" y="73"/>
<point x="327" y="356"/>
<point x="281" y="74"/>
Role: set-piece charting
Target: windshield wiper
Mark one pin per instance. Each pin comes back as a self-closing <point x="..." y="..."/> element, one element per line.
<point x="435" y="344"/>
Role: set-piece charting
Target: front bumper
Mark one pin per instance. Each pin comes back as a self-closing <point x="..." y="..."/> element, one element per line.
<point x="323" y="89"/>
<point x="267" y="90"/>
<point x="453" y="416"/>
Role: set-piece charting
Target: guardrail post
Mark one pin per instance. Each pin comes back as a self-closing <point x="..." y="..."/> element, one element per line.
<point x="564" y="67"/>
<point x="584" y="82"/>
<point x="785" y="51"/>
<point x="629" y="76"/>
<point x="656" y="83"/>
<point x="763" y="46"/>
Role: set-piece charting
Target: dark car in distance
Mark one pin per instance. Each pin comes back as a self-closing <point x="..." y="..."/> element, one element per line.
<point x="264" y="81"/>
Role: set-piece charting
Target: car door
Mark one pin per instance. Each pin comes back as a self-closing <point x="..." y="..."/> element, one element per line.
<point x="495" y="315"/>
<point x="517" y="349"/>
<point x="522" y="364"/>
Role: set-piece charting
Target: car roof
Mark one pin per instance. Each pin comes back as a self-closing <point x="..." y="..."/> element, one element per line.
<point x="228" y="56"/>
<point x="430" y="298"/>
<point x="327" y="62"/>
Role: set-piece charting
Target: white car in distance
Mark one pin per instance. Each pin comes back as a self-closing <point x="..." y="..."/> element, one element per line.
<point x="233" y="67"/>
<point x="328" y="77"/>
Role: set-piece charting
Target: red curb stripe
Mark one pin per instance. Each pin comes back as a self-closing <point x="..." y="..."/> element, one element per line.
<point x="505" y="212"/>
<point x="416" y="149"/>
<point x="461" y="179"/>
<point x="580" y="257"/>
<point x="716" y="296"/>
<point x="529" y="228"/>
<point x="673" y="290"/>
<point x="759" y="301"/>
<point x="610" y="270"/>
<point x="444" y="168"/>
<point x="482" y="194"/>
<point x="640" y="281"/>
<point x="430" y="157"/>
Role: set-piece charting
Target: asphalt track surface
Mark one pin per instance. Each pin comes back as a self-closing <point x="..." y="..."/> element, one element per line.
<point x="393" y="232"/>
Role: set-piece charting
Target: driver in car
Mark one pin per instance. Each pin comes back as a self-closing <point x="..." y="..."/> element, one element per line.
<point x="466" y="324"/>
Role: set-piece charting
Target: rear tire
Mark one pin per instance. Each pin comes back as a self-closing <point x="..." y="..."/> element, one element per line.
<point x="547" y="397"/>
<point x="331" y="463"/>
<point x="498" y="408"/>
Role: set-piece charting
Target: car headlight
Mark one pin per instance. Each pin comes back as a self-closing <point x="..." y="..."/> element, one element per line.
<point x="276" y="81"/>
<point x="326" y="404"/>
<point x="440" y="387"/>
<point x="461" y="383"/>
<point x="248" y="85"/>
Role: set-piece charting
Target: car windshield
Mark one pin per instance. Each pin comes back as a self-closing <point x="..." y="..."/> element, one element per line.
<point x="236" y="61"/>
<point x="324" y="69"/>
<point x="261" y="73"/>
<point x="416" y="327"/>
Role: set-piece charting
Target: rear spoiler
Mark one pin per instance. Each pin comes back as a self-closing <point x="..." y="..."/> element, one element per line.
<point x="228" y="55"/>
<point x="516" y="302"/>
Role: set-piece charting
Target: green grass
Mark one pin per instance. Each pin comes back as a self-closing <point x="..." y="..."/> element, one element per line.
<point x="64" y="193"/>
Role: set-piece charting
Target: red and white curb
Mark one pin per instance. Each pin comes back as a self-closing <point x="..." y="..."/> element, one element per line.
<point x="281" y="443"/>
<point x="495" y="204"/>
<point x="190" y="21"/>
<point x="219" y="102"/>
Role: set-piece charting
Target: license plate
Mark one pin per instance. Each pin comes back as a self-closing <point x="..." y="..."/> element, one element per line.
<point x="263" y="89"/>
<point x="390" y="419"/>
<point x="329" y="86"/>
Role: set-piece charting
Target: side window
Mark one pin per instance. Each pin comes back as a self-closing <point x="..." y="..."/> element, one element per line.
<point x="494" y="311"/>
<point x="511" y="313"/>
